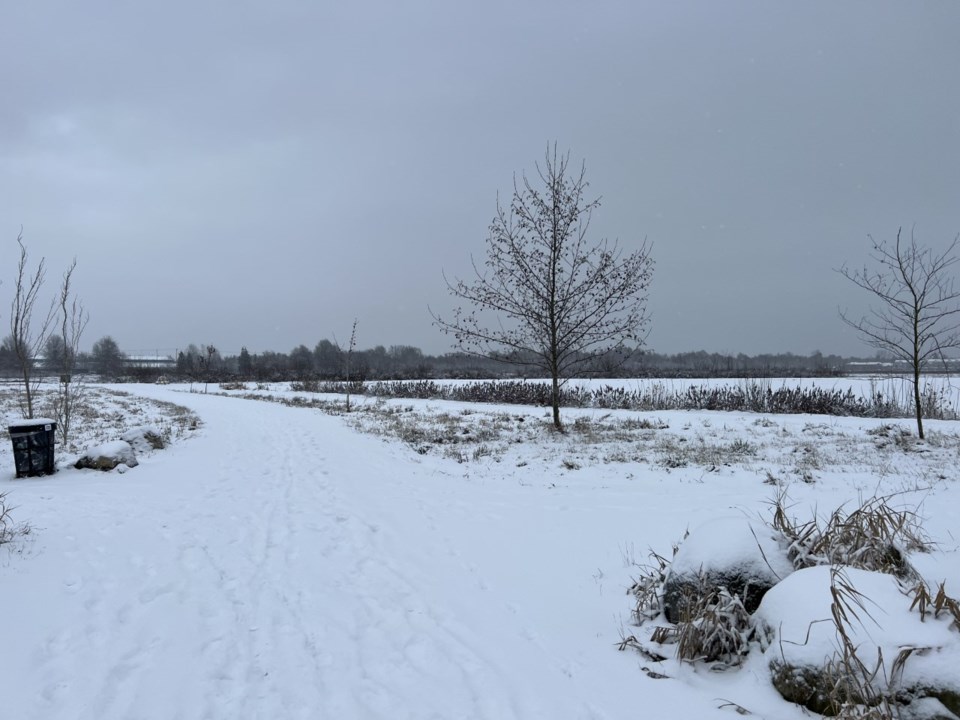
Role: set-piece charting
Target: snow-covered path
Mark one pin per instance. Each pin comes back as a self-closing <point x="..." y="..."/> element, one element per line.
<point x="280" y="565"/>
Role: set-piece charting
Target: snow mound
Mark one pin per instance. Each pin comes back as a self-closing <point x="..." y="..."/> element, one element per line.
<point x="733" y="542"/>
<point x="747" y="558"/>
<point x="145" y="438"/>
<point x="799" y="608"/>
<point x="801" y="638"/>
<point x="108" y="456"/>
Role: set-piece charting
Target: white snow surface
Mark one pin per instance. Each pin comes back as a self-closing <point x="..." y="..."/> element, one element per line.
<point x="137" y="437"/>
<point x="799" y="610"/>
<point x="118" y="449"/>
<point x="278" y="563"/>
<point x="29" y="422"/>
<point x="728" y="543"/>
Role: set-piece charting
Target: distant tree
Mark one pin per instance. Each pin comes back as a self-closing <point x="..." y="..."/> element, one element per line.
<point x="244" y="363"/>
<point x="270" y="365"/>
<point x="546" y="297"/>
<point x="404" y="360"/>
<point x="192" y="362"/>
<point x="374" y="362"/>
<point x="228" y="365"/>
<point x="184" y="363"/>
<point x="8" y="355"/>
<point x="916" y="317"/>
<point x="611" y="364"/>
<point x="107" y="358"/>
<point x="327" y="359"/>
<point x="301" y="361"/>
<point x="54" y="353"/>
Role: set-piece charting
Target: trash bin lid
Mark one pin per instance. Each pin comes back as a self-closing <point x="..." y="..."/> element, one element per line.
<point x="28" y="424"/>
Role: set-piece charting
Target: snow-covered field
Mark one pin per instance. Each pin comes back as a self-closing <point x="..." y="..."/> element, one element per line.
<point x="413" y="559"/>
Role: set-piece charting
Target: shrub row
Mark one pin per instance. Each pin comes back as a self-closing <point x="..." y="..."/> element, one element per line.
<point x="750" y="396"/>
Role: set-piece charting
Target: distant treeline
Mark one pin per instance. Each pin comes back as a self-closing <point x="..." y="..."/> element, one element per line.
<point x="329" y="362"/>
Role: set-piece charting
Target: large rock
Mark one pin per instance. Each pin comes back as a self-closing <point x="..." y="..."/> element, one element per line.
<point x="802" y="640"/>
<point x="811" y="687"/>
<point x="805" y="685"/>
<point x="747" y="558"/>
<point x="108" y="456"/>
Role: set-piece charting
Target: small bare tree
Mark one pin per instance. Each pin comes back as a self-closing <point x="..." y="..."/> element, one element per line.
<point x="917" y="313"/>
<point x="73" y="321"/>
<point x="546" y="296"/>
<point x="26" y="343"/>
<point x="348" y="357"/>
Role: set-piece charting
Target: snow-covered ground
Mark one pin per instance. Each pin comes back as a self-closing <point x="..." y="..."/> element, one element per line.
<point x="285" y="562"/>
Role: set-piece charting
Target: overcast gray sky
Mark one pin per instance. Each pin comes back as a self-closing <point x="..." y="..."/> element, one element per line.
<point x="260" y="173"/>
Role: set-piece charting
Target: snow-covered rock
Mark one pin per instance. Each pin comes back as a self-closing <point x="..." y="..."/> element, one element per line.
<point x="801" y="638"/>
<point x="745" y="557"/>
<point x="144" y="438"/>
<point x="107" y="456"/>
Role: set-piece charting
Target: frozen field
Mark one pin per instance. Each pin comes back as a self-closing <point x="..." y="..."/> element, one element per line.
<point x="286" y="562"/>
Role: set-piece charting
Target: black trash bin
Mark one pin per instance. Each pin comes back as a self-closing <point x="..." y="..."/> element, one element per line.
<point x="33" y="441"/>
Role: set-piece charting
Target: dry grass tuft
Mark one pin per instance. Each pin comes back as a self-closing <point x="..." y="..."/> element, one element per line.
<point x="716" y="629"/>
<point x="939" y="603"/>
<point x="9" y="530"/>
<point x="647" y="588"/>
<point x="874" y="536"/>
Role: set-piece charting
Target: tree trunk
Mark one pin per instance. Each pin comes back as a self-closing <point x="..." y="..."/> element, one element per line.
<point x="26" y="391"/>
<point x="918" y="404"/>
<point x="555" y="397"/>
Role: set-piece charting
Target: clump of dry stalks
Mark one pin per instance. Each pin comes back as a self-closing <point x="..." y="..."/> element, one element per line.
<point x="875" y="536"/>
<point x="8" y="528"/>
<point x="714" y="626"/>
<point x="857" y="687"/>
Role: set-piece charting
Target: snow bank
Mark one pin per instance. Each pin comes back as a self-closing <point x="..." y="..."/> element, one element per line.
<point x="733" y="542"/>
<point x="108" y="455"/>
<point x="799" y="610"/>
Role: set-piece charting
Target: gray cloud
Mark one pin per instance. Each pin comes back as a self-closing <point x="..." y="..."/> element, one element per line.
<point x="260" y="173"/>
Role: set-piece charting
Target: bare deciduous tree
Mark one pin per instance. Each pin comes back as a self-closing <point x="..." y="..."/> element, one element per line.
<point x="26" y="343"/>
<point x="546" y="296"/>
<point x="73" y="321"/>
<point x="917" y="313"/>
